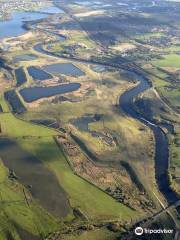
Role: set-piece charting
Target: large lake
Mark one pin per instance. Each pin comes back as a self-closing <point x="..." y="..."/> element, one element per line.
<point x="51" y="10"/>
<point x="14" y="26"/>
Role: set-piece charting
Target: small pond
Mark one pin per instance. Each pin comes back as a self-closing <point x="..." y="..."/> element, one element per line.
<point x="20" y="76"/>
<point x="34" y="93"/>
<point x="13" y="99"/>
<point x="64" y="68"/>
<point x="98" y="68"/>
<point x="38" y="74"/>
<point x="24" y="57"/>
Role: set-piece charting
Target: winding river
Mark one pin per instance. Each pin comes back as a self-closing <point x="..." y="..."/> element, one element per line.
<point x="161" y="142"/>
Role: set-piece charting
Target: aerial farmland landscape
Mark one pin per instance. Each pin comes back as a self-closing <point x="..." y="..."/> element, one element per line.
<point x="90" y="120"/>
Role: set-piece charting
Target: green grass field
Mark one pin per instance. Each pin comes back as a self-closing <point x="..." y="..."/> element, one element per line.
<point x="173" y="96"/>
<point x="15" y="212"/>
<point x="170" y="60"/>
<point x="165" y="88"/>
<point x="94" y="203"/>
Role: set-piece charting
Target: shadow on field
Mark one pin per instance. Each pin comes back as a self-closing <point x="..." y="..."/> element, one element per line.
<point x="31" y="172"/>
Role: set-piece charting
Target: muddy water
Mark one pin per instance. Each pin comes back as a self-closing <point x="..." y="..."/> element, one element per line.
<point x="31" y="171"/>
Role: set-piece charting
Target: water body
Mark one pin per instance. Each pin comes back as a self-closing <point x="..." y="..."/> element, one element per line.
<point x="32" y="172"/>
<point x="3" y="64"/>
<point x="13" y="99"/>
<point x="20" y="76"/>
<point x="34" y="93"/>
<point x="98" y="68"/>
<point x="38" y="74"/>
<point x="68" y="69"/>
<point x="14" y="26"/>
<point x="24" y="57"/>
<point x="51" y="10"/>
